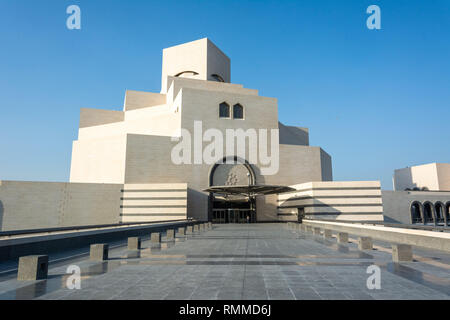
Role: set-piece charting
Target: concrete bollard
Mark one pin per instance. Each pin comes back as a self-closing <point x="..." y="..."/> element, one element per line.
<point x="401" y="252"/>
<point x="205" y="226"/>
<point x="327" y="234"/>
<point x="309" y="229"/>
<point x="189" y="230"/>
<point x="99" y="252"/>
<point x="365" y="243"/>
<point x="155" y="237"/>
<point x="342" y="237"/>
<point x="181" y="231"/>
<point x="170" y="235"/>
<point x="33" y="268"/>
<point x="201" y="227"/>
<point x="134" y="243"/>
<point x="210" y="225"/>
<point x="317" y="231"/>
<point x="196" y="228"/>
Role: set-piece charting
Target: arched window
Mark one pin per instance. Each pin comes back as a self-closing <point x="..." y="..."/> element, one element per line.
<point x="217" y="78"/>
<point x="224" y="110"/>
<point x="447" y="213"/>
<point x="416" y="212"/>
<point x="238" y="111"/>
<point x="428" y="212"/>
<point x="186" y="74"/>
<point x="439" y="208"/>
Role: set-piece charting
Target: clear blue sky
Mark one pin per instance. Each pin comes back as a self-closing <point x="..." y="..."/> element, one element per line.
<point x="374" y="100"/>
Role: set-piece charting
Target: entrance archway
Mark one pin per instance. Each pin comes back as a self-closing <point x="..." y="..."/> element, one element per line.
<point x="231" y="171"/>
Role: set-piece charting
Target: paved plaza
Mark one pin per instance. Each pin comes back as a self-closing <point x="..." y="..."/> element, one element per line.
<point x="243" y="261"/>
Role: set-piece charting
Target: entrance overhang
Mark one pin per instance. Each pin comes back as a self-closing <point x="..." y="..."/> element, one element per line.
<point x="249" y="190"/>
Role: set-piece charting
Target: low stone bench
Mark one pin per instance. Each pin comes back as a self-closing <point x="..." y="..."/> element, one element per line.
<point x="402" y="252"/>
<point x="342" y="237"/>
<point x="317" y="231"/>
<point x="170" y="235"/>
<point x="189" y="230"/>
<point x="327" y="234"/>
<point x="155" y="237"/>
<point x="134" y="243"/>
<point x="309" y="229"/>
<point x="365" y="243"/>
<point x="181" y="231"/>
<point x="99" y="252"/>
<point x="195" y="227"/>
<point x="33" y="268"/>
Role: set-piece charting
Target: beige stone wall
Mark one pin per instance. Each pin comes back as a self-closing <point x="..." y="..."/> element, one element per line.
<point x="148" y="159"/>
<point x="96" y="117"/>
<point x="416" y="177"/>
<point x="32" y="205"/>
<point x="433" y="176"/>
<point x="200" y="56"/>
<point x="397" y="204"/>
<point x="153" y="202"/>
<point x="139" y="99"/>
<point x="99" y="160"/>
<point x="337" y="200"/>
<point x="443" y="173"/>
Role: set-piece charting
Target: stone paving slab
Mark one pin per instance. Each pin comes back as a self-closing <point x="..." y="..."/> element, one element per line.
<point x="247" y="261"/>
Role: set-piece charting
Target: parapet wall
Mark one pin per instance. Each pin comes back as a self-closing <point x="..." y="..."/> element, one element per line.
<point x="34" y="205"/>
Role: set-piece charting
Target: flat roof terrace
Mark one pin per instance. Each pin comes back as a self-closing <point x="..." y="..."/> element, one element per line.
<point x="243" y="261"/>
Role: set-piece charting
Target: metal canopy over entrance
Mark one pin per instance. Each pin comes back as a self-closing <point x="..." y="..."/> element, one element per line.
<point x="249" y="190"/>
<point x="236" y="204"/>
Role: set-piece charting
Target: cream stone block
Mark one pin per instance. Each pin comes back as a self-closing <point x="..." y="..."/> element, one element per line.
<point x="131" y="219"/>
<point x="168" y="202"/>
<point x="94" y="117"/>
<point x="161" y="210"/>
<point x="154" y="194"/>
<point x="33" y="205"/>
<point x="155" y="186"/>
<point x="360" y="217"/>
<point x="358" y="209"/>
<point x="343" y="192"/>
<point x="138" y="99"/>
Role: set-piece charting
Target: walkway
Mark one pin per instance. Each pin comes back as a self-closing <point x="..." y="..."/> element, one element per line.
<point x="255" y="261"/>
